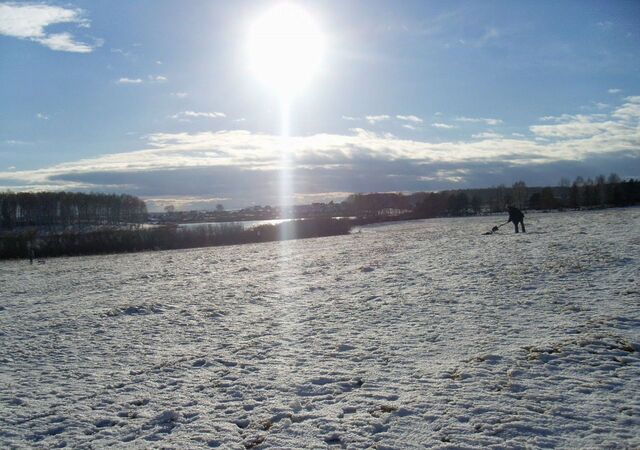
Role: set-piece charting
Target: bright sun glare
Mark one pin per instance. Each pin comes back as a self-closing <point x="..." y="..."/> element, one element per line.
<point x="286" y="46"/>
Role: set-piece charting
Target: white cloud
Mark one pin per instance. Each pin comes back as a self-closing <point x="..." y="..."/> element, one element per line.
<point x="151" y="79"/>
<point x="179" y="94"/>
<point x="410" y="118"/>
<point x="488" y="121"/>
<point x="124" y="53"/>
<point x="629" y="111"/>
<point x="379" y="118"/>
<point x="373" y="119"/>
<point x="568" y="130"/>
<point x="614" y="91"/>
<point x="157" y="78"/>
<point x="64" y="42"/>
<point x="487" y="135"/>
<point x="455" y="175"/>
<point x="186" y="115"/>
<point x="361" y="132"/>
<point x="604" y="24"/>
<point x="42" y="116"/>
<point x="444" y="126"/>
<point x="568" y="138"/>
<point x="566" y="118"/>
<point x="28" y="21"/>
<point x="408" y="126"/>
<point x="125" y="80"/>
<point x="578" y="126"/>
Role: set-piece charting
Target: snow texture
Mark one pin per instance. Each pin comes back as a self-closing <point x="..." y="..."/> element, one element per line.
<point x="407" y="335"/>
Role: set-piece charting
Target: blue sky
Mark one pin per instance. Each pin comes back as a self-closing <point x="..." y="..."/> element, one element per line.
<point x="155" y="98"/>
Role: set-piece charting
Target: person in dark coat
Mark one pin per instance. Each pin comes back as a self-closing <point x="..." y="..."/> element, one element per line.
<point x="517" y="217"/>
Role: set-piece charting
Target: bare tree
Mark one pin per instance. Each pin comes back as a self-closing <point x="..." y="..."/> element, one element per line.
<point x="519" y="193"/>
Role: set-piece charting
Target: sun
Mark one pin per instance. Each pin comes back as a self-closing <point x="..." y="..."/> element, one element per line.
<point x="285" y="47"/>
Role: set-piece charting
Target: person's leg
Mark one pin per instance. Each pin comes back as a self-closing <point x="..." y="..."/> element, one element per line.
<point x="516" y="225"/>
<point x="522" y="225"/>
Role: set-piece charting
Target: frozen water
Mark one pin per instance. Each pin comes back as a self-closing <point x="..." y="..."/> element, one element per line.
<point x="406" y="335"/>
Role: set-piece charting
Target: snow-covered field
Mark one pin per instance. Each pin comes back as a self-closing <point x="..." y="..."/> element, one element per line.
<point x="407" y="335"/>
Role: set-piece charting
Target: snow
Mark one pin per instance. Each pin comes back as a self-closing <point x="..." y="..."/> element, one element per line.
<point x="405" y="335"/>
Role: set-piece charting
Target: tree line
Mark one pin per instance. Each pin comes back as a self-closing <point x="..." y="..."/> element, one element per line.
<point x="122" y="240"/>
<point x="60" y="209"/>
<point x="590" y="193"/>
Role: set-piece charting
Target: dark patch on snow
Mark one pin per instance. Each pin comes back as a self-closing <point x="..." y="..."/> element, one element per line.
<point x="242" y="423"/>
<point x="333" y="439"/>
<point x="134" y="310"/>
<point x="254" y="441"/>
<point x="104" y="423"/>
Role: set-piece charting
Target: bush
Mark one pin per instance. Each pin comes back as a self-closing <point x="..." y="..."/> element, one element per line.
<point x="164" y="238"/>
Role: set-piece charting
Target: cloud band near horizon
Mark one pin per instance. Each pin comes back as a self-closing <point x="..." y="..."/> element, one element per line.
<point x="242" y="167"/>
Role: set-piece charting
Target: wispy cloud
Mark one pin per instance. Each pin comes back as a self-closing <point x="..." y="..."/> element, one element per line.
<point x="604" y="24"/>
<point x="486" y="37"/>
<point x="379" y="118"/>
<point x="179" y="94"/>
<point x="487" y="121"/>
<point x="126" y="80"/>
<point x="564" y="118"/>
<point x="373" y="119"/>
<point x="150" y="79"/>
<point x="410" y="118"/>
<point x="444" y="126"/>
<point x="125" y="53"/>
<point x="157" y="78"/>
<point x="186" y="115"/>
<point x="42" y="116"/>
<point x="629" y="111"/>
<point x="64" y="42"/>
<point x="487" y="135"/>
<point x="614" y="91"/>
<point x="623" y="121"/>
<point x="29" y="21"/>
